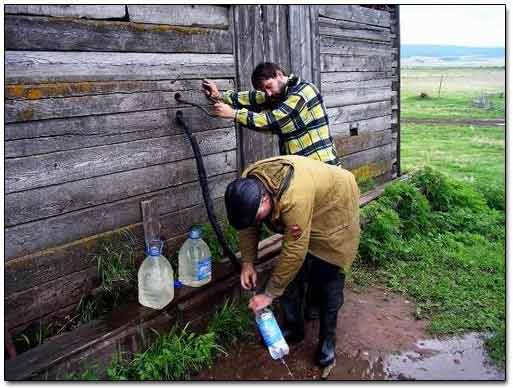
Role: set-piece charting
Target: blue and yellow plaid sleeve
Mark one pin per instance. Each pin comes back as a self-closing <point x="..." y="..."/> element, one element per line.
<point x="282" y="119"/>
<point x="252" y="100"/>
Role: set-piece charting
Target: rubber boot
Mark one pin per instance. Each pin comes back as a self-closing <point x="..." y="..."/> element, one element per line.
<point x="292" y="305"/>
<point x="331" y="291"/>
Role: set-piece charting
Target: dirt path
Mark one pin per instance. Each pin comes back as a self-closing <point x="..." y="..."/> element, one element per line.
<point x="477" y="122"/>
<point x="378" y="338"/>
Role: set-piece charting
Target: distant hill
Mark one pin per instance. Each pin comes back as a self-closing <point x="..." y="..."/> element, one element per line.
<point x="447" y="52"/>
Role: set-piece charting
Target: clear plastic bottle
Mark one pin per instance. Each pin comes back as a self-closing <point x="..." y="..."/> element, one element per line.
<point x="155" y="277"/>
<point x="271" y="333"/>
<point x="194" y="261"/>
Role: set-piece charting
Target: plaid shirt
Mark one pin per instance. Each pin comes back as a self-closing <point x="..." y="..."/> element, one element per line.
<point x="300" y="119"/>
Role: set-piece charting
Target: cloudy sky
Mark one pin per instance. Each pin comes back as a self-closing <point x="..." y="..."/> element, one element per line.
<point x="462" y="25"/>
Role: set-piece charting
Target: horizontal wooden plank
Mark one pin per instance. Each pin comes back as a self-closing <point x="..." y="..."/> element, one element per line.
<point x="55" y="34"/>
<point x="347" y="145"/>
<point x="346" y="46"/>
<point x="363" y="126"/>
<point x="332" y="87"/>
<point x="331" y="62"/>
<point x="50" y="66"/>
<point x="357" y="96"/>
<point x="59" y="167"/>
<point x="37" y="235"/>
<point x="59" y="199"/>
<point x="89" y="127"/>
<point x="182" y="15"/>
<point x="351" y="30"/>
<point x="79" y="11"/>
<point x="359" y="112"/>
<point x="35" y="269"/>
<point x="38" y="301"/>
<point x="74" y="89"/>
<point x="359" y="159"/>
<point x="47" y="108"/>
<point x="356" y="13"/>
<point x="91" y="131"/>
<point x="352" y="76"/>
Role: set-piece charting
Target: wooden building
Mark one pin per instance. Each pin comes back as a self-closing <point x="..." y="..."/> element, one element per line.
<point x="90" y="126"/>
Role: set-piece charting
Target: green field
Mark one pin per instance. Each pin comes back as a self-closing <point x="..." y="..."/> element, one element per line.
<point x="443" y="241"/>
<point x="459" y="95"/>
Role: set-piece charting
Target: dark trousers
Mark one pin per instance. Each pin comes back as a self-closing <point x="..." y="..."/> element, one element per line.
<point x="325" y="282"/>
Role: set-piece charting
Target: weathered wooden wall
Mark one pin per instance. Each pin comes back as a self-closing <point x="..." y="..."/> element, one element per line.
<point x="358" y="70"/>
<point x="90" y="129"/>
<point x="90" y="133"/>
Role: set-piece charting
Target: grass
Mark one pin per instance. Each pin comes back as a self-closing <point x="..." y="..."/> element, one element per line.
<point x="451" y="107"/>
<point x="451" y="259"/>
<point x="180" y="353"/>
<point x="469" y="153"/>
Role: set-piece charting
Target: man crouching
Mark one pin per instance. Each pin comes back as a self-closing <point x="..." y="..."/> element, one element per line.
<point x="316" y="208"/>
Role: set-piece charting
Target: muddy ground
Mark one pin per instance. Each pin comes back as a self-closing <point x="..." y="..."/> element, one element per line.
<point x="378" y="339"/>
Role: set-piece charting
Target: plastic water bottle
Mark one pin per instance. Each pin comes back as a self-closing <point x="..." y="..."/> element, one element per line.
<point x="194" y="261"/>
<point x="271" y="333"/>
<point x="155" y="277"/>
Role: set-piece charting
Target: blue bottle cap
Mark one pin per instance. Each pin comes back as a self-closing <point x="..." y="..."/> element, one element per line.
<point x="154" y="247"/>
<point x="154" y="251"/>
<point x="178" y="284"/>
<point x="195" y="233"/>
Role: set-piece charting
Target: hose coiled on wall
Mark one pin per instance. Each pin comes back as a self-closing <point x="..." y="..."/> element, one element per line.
<point x="204" y="188"/>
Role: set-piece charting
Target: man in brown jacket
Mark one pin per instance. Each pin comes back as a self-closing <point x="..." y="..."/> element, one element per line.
<point x="316" y="208"/>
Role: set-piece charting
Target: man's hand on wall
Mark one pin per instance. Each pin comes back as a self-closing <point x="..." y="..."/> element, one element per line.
<point x="210" y="89"/>
<point x="224" y="110"/>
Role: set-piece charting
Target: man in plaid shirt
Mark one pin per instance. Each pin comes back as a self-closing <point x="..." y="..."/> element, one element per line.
<point x="284" y="105"/>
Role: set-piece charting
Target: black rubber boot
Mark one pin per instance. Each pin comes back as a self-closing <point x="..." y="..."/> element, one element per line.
<point x="330" y="281"/>
<point x="292" y="305"/>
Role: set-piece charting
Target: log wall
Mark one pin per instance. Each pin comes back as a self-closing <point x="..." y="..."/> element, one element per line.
<point x="359" y="83"/>
<point x="90" y="132"/>
<point x="90" y="126"/>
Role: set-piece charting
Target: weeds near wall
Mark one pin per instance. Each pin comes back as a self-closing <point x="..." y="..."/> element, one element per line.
<point x="181" y="353"/>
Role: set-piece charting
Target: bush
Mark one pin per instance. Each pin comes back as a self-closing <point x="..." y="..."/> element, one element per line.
<point x="444" y="193"/>
<point x="411" y="206"/>
<point x="381" y="234"/>
<point x="494" y="196"/>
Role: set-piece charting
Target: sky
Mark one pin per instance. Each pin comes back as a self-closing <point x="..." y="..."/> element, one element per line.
<point x="461" y="25"/>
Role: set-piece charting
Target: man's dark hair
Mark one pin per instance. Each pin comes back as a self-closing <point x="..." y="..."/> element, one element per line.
<point x="264" y="71"/>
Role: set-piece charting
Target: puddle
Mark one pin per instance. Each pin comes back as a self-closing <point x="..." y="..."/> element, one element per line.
<point x="456" y="358"/>
<point x="379" y="338"/>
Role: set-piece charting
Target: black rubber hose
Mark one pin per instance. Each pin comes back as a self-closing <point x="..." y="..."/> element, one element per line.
<point x="206" y="193"/>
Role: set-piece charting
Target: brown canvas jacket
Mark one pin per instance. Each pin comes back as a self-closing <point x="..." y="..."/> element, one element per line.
<point x="323" y="200"/>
